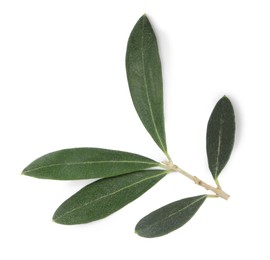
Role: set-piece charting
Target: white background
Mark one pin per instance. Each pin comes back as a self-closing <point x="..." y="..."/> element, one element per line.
<point x="63" y="85"/>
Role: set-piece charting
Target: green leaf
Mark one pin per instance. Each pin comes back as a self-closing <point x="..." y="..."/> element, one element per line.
<point x="86" y="163"/>
<point x="144" y="76"/>
<point x="220" y="136"/>
<point x="103" y="197"/>
<point x="169" y="218"/>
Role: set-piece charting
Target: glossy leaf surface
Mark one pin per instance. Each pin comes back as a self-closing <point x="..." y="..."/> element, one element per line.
<point x="86" y="163"/>
<point x="103" y="197"/>
<point x="144" y="75"/>
<point x="169" y="218"/>
<point x="220" y="136"/>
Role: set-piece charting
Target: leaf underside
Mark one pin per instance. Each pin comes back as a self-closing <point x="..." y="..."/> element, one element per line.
<point x="103" y="197"/>
<point x="169" y="218"/>
<point x="86" y="163"/>
<point x="220" y="136"/>
<point x="144" y="76"/>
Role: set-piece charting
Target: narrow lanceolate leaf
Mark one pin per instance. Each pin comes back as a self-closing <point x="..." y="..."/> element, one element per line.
<point x="103" y="197"/>
<point x="86" y="163"/>
<point x="144" y="76"/>
<point x="169" y="218"/>
<point x="220" y="136"/>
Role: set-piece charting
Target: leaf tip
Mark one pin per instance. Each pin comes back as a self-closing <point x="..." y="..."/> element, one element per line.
<point x="57" y="221"/>
<point x="24" y="173"/>
<point x="226" y="99"/>
<point x="56" y="218"/>
<point x="144" y="18"/>
<point x="28" y="173"/>
<point x="137" y="232"/>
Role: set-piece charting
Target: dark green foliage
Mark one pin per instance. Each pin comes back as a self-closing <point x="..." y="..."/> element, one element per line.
<point x="123" y="175"/>
<point x="86" y="163"/>
<point x="103" y="197"/>
<point x="145" y="79"/>
<point x="220" y="136"/>
<point x="169" y="218"/>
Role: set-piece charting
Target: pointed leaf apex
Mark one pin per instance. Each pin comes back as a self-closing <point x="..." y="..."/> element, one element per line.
<point x="144" y="18"/>
<point x="226" y="97"/>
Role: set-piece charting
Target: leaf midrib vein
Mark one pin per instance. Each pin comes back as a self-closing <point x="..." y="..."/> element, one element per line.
<point x="83" y="163"/>
<point x="146" y="88"/>
<point x="111" y="194"/>
<point x="220" y="133"/>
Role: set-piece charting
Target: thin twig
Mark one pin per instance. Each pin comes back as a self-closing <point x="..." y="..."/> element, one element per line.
<point x="218" y="191"/>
